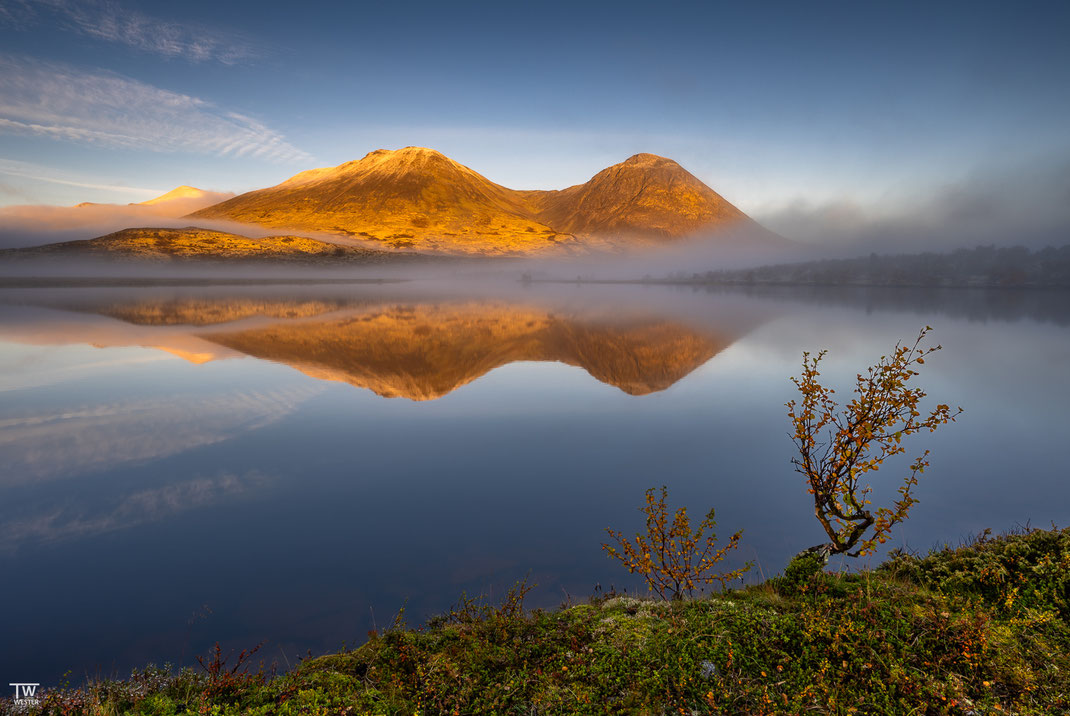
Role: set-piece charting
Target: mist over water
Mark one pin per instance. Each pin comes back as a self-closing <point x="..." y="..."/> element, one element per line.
<point x="304" y="459"/>
<point x="1022" y="203"/>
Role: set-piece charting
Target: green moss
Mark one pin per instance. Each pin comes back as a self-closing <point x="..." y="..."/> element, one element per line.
<point x="981" y="629"/>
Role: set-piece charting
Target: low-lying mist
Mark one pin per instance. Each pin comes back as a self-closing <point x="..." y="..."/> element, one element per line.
<point x="35" y="225"/>
<point x="1024" y="206"/>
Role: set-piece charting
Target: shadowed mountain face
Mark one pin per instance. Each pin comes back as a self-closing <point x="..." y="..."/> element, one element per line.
<point x="425" y="351"/>
<point x="419" y="198"/>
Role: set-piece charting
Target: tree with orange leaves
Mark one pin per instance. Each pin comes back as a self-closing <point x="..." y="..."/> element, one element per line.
<point x="674" y="560"/>
<point x="838" y="448"/>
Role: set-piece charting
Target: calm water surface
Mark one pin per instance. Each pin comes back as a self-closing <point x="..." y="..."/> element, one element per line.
<point x="291" y="465"/>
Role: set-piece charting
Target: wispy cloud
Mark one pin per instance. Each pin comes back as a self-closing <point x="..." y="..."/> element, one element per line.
<point x="123" y="511"/>
<point x="28" y="170"/>
<point x="103" y="109"/>
<point x="82" y="438"/>
<point x="110" y="21"/>
<point x="16" y="13"/>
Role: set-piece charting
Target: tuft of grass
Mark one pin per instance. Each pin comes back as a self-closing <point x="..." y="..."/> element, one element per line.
<point x="979" y="629"/>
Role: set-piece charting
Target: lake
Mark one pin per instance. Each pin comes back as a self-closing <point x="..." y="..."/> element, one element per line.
<point x="293" y="464"/>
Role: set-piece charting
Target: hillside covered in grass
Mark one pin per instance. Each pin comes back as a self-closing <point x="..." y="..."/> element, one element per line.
<point x="979" y="629"/>
<point x="197" y="244"/>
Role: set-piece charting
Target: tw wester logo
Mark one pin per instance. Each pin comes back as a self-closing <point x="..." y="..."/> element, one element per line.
<point x="25" y="694"/>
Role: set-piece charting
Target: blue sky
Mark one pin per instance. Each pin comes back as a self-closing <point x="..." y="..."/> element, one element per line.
<point x="800" y="113"/>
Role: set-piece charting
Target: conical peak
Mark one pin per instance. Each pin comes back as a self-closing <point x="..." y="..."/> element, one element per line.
<point x="645" y="158"/>
<point x="412" y="151"/>
<point x="648" y="161"/>
<point x="179" y="192"/>
<point x="644" y="168"/>
<point x="378" y="159"/>
<point x="408" y="153"/>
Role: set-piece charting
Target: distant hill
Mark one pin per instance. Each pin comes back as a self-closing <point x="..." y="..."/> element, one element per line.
<point x="192" y="243"/>
<point x="179" y="201"/>
<point x="186" y="199"/>
<point x="419" y="198"/>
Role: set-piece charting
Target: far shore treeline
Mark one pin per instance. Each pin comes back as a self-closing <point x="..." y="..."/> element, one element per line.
<point x="980" y="267"/>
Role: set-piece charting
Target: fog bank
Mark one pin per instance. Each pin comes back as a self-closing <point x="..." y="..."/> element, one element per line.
<point x="1024" y="205"/>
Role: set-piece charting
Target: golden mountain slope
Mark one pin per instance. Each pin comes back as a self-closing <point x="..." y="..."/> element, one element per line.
<point x="417" y="197"/>
<point x="195" y="243"/>
<point x="644" y="196"/>
<point x="411" y="197"/>
<point x="424" y="351"/>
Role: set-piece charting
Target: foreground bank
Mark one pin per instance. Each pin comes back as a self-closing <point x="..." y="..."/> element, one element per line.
<point x="980" y="629"/>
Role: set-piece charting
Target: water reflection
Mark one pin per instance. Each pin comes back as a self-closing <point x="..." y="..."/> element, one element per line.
<point x="419" y="350"/>
<point x="206" y="311"/>
<point x="425" y="351"/>
<point x="250" y="475"/>
<point x="73" y="519"/>
<point x="81" y="436"/>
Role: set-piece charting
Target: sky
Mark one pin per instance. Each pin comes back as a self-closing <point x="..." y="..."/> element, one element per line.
<point x="839" y="123"/>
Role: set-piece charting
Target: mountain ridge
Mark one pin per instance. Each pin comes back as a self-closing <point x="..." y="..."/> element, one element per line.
<point x="416" y="197"/>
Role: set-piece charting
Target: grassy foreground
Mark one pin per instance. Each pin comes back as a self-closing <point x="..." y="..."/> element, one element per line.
<point x="981" y="629"/>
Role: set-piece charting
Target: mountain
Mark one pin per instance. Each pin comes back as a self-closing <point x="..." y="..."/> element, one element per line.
<point x="179" y="201"/>
<point x="187" y="198"/>
<point x="646" y="194"/>
<point x="419" y="198"/>
<point x="411" y="197"/>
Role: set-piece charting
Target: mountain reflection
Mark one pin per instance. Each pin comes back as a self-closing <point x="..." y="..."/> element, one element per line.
<point x="424" y="351"/>
<point x="201" y="311"/>
<point x="418" y="349"/>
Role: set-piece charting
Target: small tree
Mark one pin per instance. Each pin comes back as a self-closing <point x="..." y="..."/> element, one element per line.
<point x="837" y="448"/>
<point x="673" y="560"/>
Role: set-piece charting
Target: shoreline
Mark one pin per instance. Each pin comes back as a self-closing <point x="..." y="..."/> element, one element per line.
<point x="983" y="628"/>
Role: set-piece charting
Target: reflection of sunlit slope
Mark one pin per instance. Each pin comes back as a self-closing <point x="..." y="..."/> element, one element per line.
<point x="424" y="351"/>
<point x="208" y="311"/>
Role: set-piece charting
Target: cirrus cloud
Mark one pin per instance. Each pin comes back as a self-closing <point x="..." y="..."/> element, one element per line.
<point x="110" y="21"/>
<point x="100" y="108"/>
